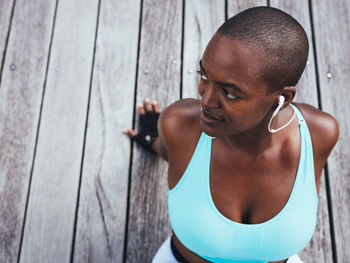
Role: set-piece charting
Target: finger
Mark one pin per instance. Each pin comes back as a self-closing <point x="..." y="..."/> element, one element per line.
<point x="130" y="132"/>
<point x="155" y="107"/>
<point x="147" y="104"/>
<point x="141" y="109"/>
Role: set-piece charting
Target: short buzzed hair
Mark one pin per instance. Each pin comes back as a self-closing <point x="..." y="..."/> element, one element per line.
<point x="276" y="35"/>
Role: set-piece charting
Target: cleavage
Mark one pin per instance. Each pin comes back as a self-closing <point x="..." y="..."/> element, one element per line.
<point x="251" y="192"/>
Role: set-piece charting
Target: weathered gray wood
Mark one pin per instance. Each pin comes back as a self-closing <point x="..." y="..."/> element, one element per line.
<point x="158" y="78"/>
<point x="332" y="33"/>
<point x="103" y="199"/>
<point x="236" y="6"/>
<point x="320" y="247"/>
<point x="200" y="25"/>
<point x="20" y="99"/>
<point x="5" y="15"/>
<point x="52" y="203"/>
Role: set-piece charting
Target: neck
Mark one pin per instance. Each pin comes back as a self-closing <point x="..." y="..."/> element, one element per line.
<point x="256" y="140"/>
<point x="252" y="142"/>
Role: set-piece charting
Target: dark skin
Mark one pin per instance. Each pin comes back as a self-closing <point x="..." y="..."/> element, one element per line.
<point x="252" y="171"/>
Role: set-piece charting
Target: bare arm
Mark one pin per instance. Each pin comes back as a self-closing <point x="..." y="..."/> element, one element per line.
<point x="324" y="130"/>
<point x="159" y="149"/>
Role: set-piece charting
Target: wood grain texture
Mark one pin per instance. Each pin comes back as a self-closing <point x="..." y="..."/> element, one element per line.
<point x="200" y="25"/>
<point x="20" y="99"/>
<point x="51" y="209"/>
<point x="5" y="16"/>
<point x="331" y="22"/>
<point x="159" y="77"/>
<point x="236" y="6"/>
<point x="320" y="247"/>
<point x="103" y="199"/>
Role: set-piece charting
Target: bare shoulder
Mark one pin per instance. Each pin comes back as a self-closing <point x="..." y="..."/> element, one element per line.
<point x="323" y="127"/>
<point x="179" y="123"/>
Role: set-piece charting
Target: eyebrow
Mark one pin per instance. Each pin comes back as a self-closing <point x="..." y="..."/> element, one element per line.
<point x="224" y="84"/>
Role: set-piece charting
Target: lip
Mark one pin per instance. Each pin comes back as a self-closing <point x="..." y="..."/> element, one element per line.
<point x="208" y="118"/>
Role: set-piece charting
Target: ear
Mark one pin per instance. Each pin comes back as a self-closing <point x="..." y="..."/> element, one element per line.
<point x="288" y="93"/>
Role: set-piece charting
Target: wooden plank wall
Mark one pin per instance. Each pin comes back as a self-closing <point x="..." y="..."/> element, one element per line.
<point x="158" y="78"/>
<point x="57" y="164"/>
<point x="6" y="8"/>
<point x="102" y="208"/>
<point x="23" y="77"/>
<point x="331" y="22"/>
<point x="73" y="188"/>
<point x="199" y="26"/>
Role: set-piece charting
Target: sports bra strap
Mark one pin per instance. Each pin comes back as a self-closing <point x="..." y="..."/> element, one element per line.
<point x="299" y="115"/>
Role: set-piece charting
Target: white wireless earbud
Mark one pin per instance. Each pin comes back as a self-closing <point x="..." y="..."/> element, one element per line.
<point x="280" y="104"/>
<point x="275" y="113"/>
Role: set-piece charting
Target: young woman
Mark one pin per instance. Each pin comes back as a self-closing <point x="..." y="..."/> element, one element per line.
<point x="244" y="161"/>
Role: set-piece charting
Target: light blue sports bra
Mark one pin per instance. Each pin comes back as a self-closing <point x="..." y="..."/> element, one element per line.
<point x="204" y="230"/>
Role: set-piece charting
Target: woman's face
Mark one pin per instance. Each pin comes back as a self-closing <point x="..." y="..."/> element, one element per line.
<point x="230" y="89"/>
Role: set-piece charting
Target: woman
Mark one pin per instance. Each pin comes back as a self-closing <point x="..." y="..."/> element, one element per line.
<point x="244" y="162"/>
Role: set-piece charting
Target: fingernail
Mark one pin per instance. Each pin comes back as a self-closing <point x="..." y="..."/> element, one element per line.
<point x="154" y="102"/>
<point x="140" y="105"/>
<point x="147" y="99"/>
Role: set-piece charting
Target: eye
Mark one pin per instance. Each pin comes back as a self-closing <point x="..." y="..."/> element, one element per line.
<point x="229" y="95"/>
<point x="203" y="77"/>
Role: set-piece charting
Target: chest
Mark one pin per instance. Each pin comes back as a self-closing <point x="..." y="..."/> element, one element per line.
<point x="251" y="192"/>
<point x="247" y="190"/>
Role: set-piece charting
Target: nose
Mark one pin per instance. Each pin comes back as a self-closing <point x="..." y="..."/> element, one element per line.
<point x="209" y="98"/>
